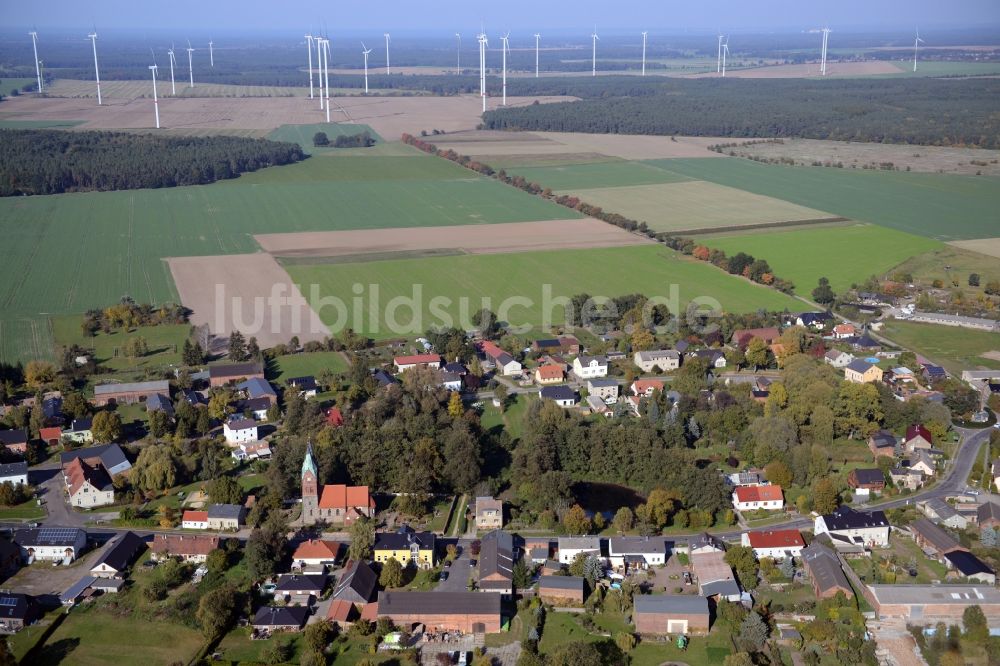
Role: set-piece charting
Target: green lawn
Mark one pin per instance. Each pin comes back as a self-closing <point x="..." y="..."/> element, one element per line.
<point x="301" y="365"/>
<point x="236" y="646"/>
<point x="25" y="511"/>
<point x="512" y="420"/>
<point x="844" y="254"/>
<point x="165" y="343"/>
<point x="954" y="348"/>
<point x="89" y="637"/>
<point x="942" y="206"/>
<point x="602" y="174"/>
<point x="653" y="270"/>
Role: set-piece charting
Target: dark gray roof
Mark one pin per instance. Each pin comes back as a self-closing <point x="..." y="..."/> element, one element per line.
<point x="936" y="536"/>
<point x="110" y="455"/>
<point x="497" y="555"/>
<point x="859" y="365"/>
<point x="402" y="539"/>
<point x="725" y="588"/>
<point x="227" y="511"/>
<point x="257" y="388"/>
<point x="574" y="583"/>
<point x="638" y="544"/>
<point x="846" y="518"/>
<point x="234" y="370"/>
<point x="17" y="606"/>
<point x="298" y="582"/>
<point x="241" y="424"/>
<point x="883" y="438"/>
<point x="824" y="567"/>
<point x="682" y="604"/>
<point x="159" y="402"/>
<point x="82" y="424"/>
<point x="48" y="536"/>
<point x="869" y="476"/>
<point x="307" y="383"/>
<point x="13" y="436"/>
<point x="966" y="563"/>
<point x="438" y="603"/>
<point x="121" y="551"/>
<point x="988" y="511"/>
<point x="383" y="377"/>
<point x="73" y="592"/>
<point x="356" y="584"/>
<point x="13" y="469"/>
<point x="603" y="383"/>
<point x="155" y="386"/>
<point x="284" y="616"/>
<point x="558" y="393"/>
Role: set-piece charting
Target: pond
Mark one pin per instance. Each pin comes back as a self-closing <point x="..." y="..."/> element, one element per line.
<point x="605" y="498"/>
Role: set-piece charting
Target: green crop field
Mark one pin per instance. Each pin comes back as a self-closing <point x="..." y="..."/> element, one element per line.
<point x="954" y="348"/>
<point x="23" y="338"/>
<point x="695" y="205"/>
<point x="39" y="124"/>
<point x="304" y="364"/>
<point x="844" y="254"/>
<point x="942" y="206"/>
<point x="945" y="68"/>
<point x="303" y="134"/>
<point x="601" y="174"/>
<point x="600" y="272"/>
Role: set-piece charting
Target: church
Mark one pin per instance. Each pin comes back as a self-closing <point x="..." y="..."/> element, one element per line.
<point x="335" y="504"/>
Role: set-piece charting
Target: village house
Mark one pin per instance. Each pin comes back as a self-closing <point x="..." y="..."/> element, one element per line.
<point x="450" y="380"/>
<point x="933" y="539"/>
<point x="664" y="360"/>
<point x="316" y="553"/>
<point x="257" y="388"/>
<point x="51" y="437"/>
<point x="128" y="393"/>
<point x="17" y="611"/>
<point x="940" y="511"/>
<point x="837" y="358"/>
<point x="496" y="563"/>
<point x="564" y="344"/>
<point x="118" y="555"/>
<point x="628" y="553"/>
<point x="80" y="431"/>
<point x="570" y="547"/>
<point x="860" y="371"/>
<point x="226" y="516"/>
<point x="590" y="367"/>
<point x="14" y="473"/>
<point x="249" y="451"/>
<point x="489" y="513"/>
<point x="644" y="388"/>
<point x="923" y="462"/>
<point x="339" y="504"/>
<point x="988" y="515"/>
<point x="968" y="566"/>
<point x="158" y="402"/>
<point x="904" y="477"/>
<point x="714" y="357"/>
<point x="776" y="544"/>
<point x="300" y="588"/>
<point x="440" y="612"/>
<point x="256" y="408"/>
<point x="748" y="477"/>
<point x="194" y="519"/>
<point x="917" y="437"/>
<point x="841" y="331"/>
<point x="742" y="337"/>
<point x="825" y="571"/>
<point x="239" y="430"/>
<point x="404" y="363"/>
<point x="88" y="485"/>
<point x="406" y="547"/>
<point x="505" y="364"/>
<point x="882" y="443"/>
<point x="597" y="406"/>
<point x="109" y="456"/>
<point x="815" y="320"/>
<point x="230" y="373"/>
<point x="671" y="614"/>
<point x="866" y="481"/>
<point x="751" y="498"/>
<point x="549" y="374"/>
<point x="561" y="590"/>
<point x="357" y="583"/>
<point x="50" y="544"/>
<point x="275" y="619"/>
<point x="15" y="441"/>
<point x="846" y="526"/>
<point x="563" y="396"/>
<point x="605" y="389"/>
<point x="307" y="386"/>
<point x="189" y="547"/>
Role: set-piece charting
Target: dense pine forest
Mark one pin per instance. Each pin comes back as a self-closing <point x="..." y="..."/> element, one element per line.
<point x="918" y="111"/>
<point x="51" y="162"/>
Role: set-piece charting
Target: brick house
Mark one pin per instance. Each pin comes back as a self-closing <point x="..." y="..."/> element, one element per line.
<point x="671" y="614"/>
<point x="468" y="612"/>
<point x="560" y="590"/>
<point x="866" y="481"/>
<point x="228" y="373"/>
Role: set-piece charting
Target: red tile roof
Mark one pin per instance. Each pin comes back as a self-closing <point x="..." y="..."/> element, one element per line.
<point x="416" y="359"/>
<point x="195" y="516"/>
<point x="184" y="544"/>
<point x="344" y="497"/>
<point x="341" y="611"/>
<point x="550" y="372"/>
<point x="743" y="336"/>
<point x="316" y="549"/>
<point x="334" y="417"/>
<point x="641" y="386"/>
<point x="776" y="539"/>
<point x="370" y="612"/>
<point x="918" y="430"/>
<point x="78" y="473"/>
<point x="490" y="349"/>
<point x="48" y="434"/>
<point x="758" y="493"/>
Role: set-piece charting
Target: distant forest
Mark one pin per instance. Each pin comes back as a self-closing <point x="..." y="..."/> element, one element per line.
<point x="52" y="162"/>
<point x="918" y="111"/>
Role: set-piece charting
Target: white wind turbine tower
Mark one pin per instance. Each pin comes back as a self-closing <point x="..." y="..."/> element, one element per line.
<point x="644" y="35"/>
<point x="325" y="72"/>
<point x="718" y="62"/>
<point x="387" y="53"/>
<point x="211" y="54"/>
<point x="725" y="56"/>
<point x="483" y="43"/>
<point x="38" y="68"/>
<point x="173" y="61"/>
<point x="190" y="63"/>
<point x="826" y="36"/>
<point x="365" y="51"/>
<point x="97" y="73"/>
<point x="594" y="37"/>
<point x="505" y="48"/>
<point x="916" y="43"/>
<point x="458" y="57"/>
<point x="156" y="101"/>
<point x="309" y="49"/>
<point x="538" y="37"/>
<point x="319" y="67"/>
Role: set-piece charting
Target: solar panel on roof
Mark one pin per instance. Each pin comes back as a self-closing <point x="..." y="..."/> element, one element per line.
<point x="8" y="601"/>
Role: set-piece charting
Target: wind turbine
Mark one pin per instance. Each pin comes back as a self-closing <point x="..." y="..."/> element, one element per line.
<point x="458" y="58"/>
<point x="173" y="61"/>
<point x="309" y="49"/>
<point x="38" y="67"/>
<point x="319" y="65"/>
<point x="211" y="54"/>
<point x="365" y="51"/>
<point x="190" y="66"/>
<point x="483" y="43"/>
<point x="826" y="36"/>
<point x="644" y="35"/>
<point x="505" y="49"/>
<point x="537" y="38"/>
<point x="916" y="43"/>
<point x="387" y="54"/>
<point x="725" y="55"/>
<point x="718" y="62"/>
<point x="156" y="101"/>
<point x="326" y="75"/>
<point x="97" y="73"/>
<point x="594" y="60"/>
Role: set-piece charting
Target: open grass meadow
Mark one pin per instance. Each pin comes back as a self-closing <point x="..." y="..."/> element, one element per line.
<point x="303" y="134"/>
<point x="490" y="279"/>
<point x="953" y="266"/>
<point x="941" y="206"/>
<point x="300" y="365"/>
<point x="844" y="254"/>
<point x="600" y="174"/>
<point x="954" y="348"/>
<point x="165" y="343"/>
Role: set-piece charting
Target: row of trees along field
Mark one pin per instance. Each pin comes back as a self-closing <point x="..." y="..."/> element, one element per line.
<point x="920" y="111"/>
<point x="52" y="161"/>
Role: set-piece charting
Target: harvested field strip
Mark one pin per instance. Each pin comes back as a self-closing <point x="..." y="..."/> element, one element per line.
<point x="845" y="255"/>
<point x="609" y="174"/>
<point x="987" y="246"/>
<point x="308" y="259"/>
<point x="677" y="207"/>
<point x="942" y="206"/>
<point x="471" y="239"/>
<point x="496" y="277"/>
<point x="634" y="147"/>
<point x="554" y="159"/>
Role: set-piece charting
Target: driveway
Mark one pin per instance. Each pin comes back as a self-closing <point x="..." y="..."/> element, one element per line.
<point x="459" y="571"/>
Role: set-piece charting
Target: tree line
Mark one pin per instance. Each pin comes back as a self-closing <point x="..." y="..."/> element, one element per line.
<point x="53" y="162"/>
<point x="950" y="112"/>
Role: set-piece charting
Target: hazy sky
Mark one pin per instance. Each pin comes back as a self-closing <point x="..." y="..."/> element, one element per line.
<point x="220" y="16"/>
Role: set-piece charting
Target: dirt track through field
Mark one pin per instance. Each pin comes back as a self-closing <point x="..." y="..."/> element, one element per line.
<point x="231" y="293"/>
<point x="470" y="239"/>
